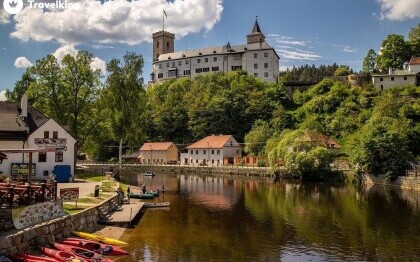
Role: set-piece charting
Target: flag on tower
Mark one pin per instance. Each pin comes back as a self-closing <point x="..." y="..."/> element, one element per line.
<point x="164" y="12"/>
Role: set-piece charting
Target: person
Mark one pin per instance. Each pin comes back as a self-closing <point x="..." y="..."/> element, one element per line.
<point x="128" y="194"/>
<point x="144" y="188"/>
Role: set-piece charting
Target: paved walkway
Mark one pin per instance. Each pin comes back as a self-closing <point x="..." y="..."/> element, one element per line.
<point x="85" y="188"/>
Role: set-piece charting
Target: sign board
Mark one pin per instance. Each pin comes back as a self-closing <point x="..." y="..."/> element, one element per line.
<point x="22" y="169"/>
<point x="50" y="144"/>
<point x="69" y="194"/>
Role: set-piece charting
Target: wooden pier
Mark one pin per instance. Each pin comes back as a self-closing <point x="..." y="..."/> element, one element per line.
<point x="126" y="216"/>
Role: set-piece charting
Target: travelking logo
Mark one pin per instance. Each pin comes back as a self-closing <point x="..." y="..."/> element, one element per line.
<point x="15" y="6"/>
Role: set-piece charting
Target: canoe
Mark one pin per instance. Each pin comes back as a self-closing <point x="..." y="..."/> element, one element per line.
<point x="154" y="192"/>
<point x="60" y="255"/>
<point x="142" y="196"/>
<point x="82" y="253"/>
<point x="153" y="205"/>
<point x="105" y="249"/>
<point x="100" y="239"/>
<point x="32" y="258"/>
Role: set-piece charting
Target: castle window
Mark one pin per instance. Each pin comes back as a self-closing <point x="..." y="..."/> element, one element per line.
<point x="167" y="45"/>
<point x="266" y="54"/>
<point x="206" y="69"/>
<point x="167" y="64"/>
<point x="198" y="60"/>
<point x="180" y="63"/>
<point x="265" y="65"/>
<point x="215" y="59"/>
<point x="199" y="70"/>
<point x="206" y="59"/>
<point x="42" y="156"/>
<point x="381" y="79"/>
<point x="187" y="62"/>
<point x="255" y="55"/>
<point x="392" y="78"/>
<point x="187" y="72"/>
<point x="405" y="78"/>
<point x="160" y="66"/>
<point x="255" y="66"/>
<point x="173" y="63"/>
<point x="160" y="75"/>
<point x="215" y="68"/>
<point x="157" y="44"/>
<point x="266" y="74"/>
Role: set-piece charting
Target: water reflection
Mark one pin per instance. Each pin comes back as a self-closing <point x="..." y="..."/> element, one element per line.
<point x="252" y="219"/>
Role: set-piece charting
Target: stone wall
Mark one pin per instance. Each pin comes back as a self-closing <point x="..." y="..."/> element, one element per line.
<point x="404" y="182"/>
<point x="6" y="222"/>
<point x="43" y="234"/>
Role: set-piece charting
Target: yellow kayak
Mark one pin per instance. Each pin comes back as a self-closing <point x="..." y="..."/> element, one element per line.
<point x="101" y="239"/>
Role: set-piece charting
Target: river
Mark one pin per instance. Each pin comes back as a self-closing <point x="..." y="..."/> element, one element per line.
<point x="219" y="218"/>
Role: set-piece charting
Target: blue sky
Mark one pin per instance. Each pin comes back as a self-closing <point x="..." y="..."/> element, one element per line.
<point x="302" y="31"/>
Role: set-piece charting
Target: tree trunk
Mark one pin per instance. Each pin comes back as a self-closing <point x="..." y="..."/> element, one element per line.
<point x="120" y="156"/>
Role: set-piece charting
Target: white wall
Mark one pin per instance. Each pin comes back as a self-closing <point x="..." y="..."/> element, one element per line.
<point x="50" y="125"/>
<point x="387" y="81"/>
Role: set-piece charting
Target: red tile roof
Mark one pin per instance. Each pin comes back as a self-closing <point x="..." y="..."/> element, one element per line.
<point x="156" y="146"/>
<point x="414" y="61"/>
<point x="214" y="141"/>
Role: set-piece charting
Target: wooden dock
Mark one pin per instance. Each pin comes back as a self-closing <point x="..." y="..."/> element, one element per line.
<point x="126" y="217"/>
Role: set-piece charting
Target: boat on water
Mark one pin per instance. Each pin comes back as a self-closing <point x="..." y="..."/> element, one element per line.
<point x="99" y="248"/>
<point x="153" y="205"/>
<point x="142" y="196"/>
<point x="60" y="255"/>
<point x="82" y="253"/>
<point x="149" y="173"/>
<point x="32" y="258"/>
<point x="100" y="239"/>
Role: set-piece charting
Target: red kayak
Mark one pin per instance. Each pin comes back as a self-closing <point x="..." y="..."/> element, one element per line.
<point x="79" y="252"/>
<point x="32" y="258"/>
<point x="60" y="255"/>
<point x="99" y="248"/>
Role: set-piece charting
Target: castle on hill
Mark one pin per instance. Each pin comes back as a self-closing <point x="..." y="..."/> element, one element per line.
<point x="257" y="57"/>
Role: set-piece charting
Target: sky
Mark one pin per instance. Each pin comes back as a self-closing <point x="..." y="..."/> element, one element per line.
<point x="301" y="31"/>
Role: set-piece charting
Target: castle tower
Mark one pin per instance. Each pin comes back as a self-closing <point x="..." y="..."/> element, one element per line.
<point x="163" y="43"/>
<point x="256" y="36"/>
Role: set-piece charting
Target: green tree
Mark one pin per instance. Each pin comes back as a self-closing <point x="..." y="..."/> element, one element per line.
<point x="393" y="54"/>
<point x="21" y="87"/>
<point x="414" y="41"/>
<point x="124" y="100"/>
<point x="67" y="93"/>
<point x="342" y="71"/>
<point x="369" y="62"/>
<point x="256" y="138"/>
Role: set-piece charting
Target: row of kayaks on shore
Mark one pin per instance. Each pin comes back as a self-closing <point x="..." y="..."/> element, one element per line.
<point x="92" y="248"/>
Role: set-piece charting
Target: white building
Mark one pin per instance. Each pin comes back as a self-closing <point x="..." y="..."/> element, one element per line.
<point x="409" y="77"/>
<point x="214" y="150"/>
<point x="24" y="127"/>
<point x="257" y="57"/>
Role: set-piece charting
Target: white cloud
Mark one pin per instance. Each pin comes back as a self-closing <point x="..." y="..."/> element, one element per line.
<point x="4" y="17"/>
<point x="346" y="48"/>
<point x="98" y="63"/>
<point x="399" y="9"/>
<point x="298" y="54"/>
<point x="22" y="62"/>
<point x="61" y="52"/>
<point x="284" y="68"/>
<point x="3" y="95"/>
<point x="118" y="21"/>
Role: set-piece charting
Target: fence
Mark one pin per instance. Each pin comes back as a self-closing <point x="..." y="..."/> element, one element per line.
<point x="18" y="194"/>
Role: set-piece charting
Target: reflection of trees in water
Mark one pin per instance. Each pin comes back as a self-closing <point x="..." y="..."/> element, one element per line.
<point x="410" y="199"/>
<point x="373" y="225"/>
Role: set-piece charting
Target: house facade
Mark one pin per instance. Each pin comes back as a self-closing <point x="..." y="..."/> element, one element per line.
<point x="24" y="127"/>
<point x="394" y="78"/>
<point x="257" y="57"/>
<point x="159" y="153"/>
<point x="212" y="151"/>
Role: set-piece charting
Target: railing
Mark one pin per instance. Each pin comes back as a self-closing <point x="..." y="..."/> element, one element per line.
<point x="18" y="194"/>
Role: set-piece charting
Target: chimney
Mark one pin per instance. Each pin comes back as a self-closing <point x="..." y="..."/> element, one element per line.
<point x="390" y="71"/>
<point x="24" y="105"/>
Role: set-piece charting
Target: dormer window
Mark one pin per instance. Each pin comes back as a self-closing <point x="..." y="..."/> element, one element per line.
<point x="200" y="53"/>
<point x="214" y="51"/>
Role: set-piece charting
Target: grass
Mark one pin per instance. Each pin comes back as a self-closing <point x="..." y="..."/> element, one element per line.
<point x="89" y="175"/>
<point x="71" y="208"/>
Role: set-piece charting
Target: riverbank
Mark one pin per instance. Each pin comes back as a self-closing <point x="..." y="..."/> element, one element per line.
<point x="403" y="182"/>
